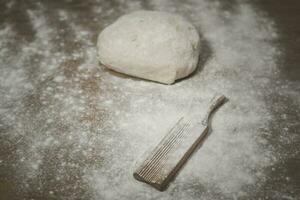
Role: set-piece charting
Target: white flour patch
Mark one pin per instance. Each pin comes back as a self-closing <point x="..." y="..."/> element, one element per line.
<point x="13" y="80"/>
<point x="80" y="129"/>
<point x="234" y="156"/>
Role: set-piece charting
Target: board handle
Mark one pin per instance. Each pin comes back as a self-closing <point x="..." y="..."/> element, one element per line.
<point x="216" y="102"/>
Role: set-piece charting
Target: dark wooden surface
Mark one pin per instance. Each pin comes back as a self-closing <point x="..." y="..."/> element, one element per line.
<point x="286" y="15"/>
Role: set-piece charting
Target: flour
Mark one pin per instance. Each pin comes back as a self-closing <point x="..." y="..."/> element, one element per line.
<point x="232" y="157"/>
<point x="77" y="130"/>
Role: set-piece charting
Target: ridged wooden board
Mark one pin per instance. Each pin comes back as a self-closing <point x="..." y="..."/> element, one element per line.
<point x="163" y="163"/>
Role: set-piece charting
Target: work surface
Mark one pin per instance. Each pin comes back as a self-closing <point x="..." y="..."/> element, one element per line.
<point x="70" y="129"/>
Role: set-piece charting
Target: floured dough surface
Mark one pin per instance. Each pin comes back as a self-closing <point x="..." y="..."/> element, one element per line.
<point x="152" y="45"/>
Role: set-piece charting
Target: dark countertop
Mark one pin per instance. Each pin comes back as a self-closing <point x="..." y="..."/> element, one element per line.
<point x="20" y="99"/>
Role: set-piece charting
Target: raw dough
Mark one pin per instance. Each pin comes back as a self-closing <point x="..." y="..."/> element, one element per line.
<point x="152" y="45"/>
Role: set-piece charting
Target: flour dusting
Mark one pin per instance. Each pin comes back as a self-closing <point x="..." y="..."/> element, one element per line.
<point x="74" y="130"/>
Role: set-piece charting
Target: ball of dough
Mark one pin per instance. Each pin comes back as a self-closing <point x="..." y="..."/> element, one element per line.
<point x="152" y="45"/>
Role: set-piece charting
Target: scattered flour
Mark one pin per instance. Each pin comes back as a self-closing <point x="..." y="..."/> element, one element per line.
<point x="233" y="156"/>
<point x="78" y="130"/>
